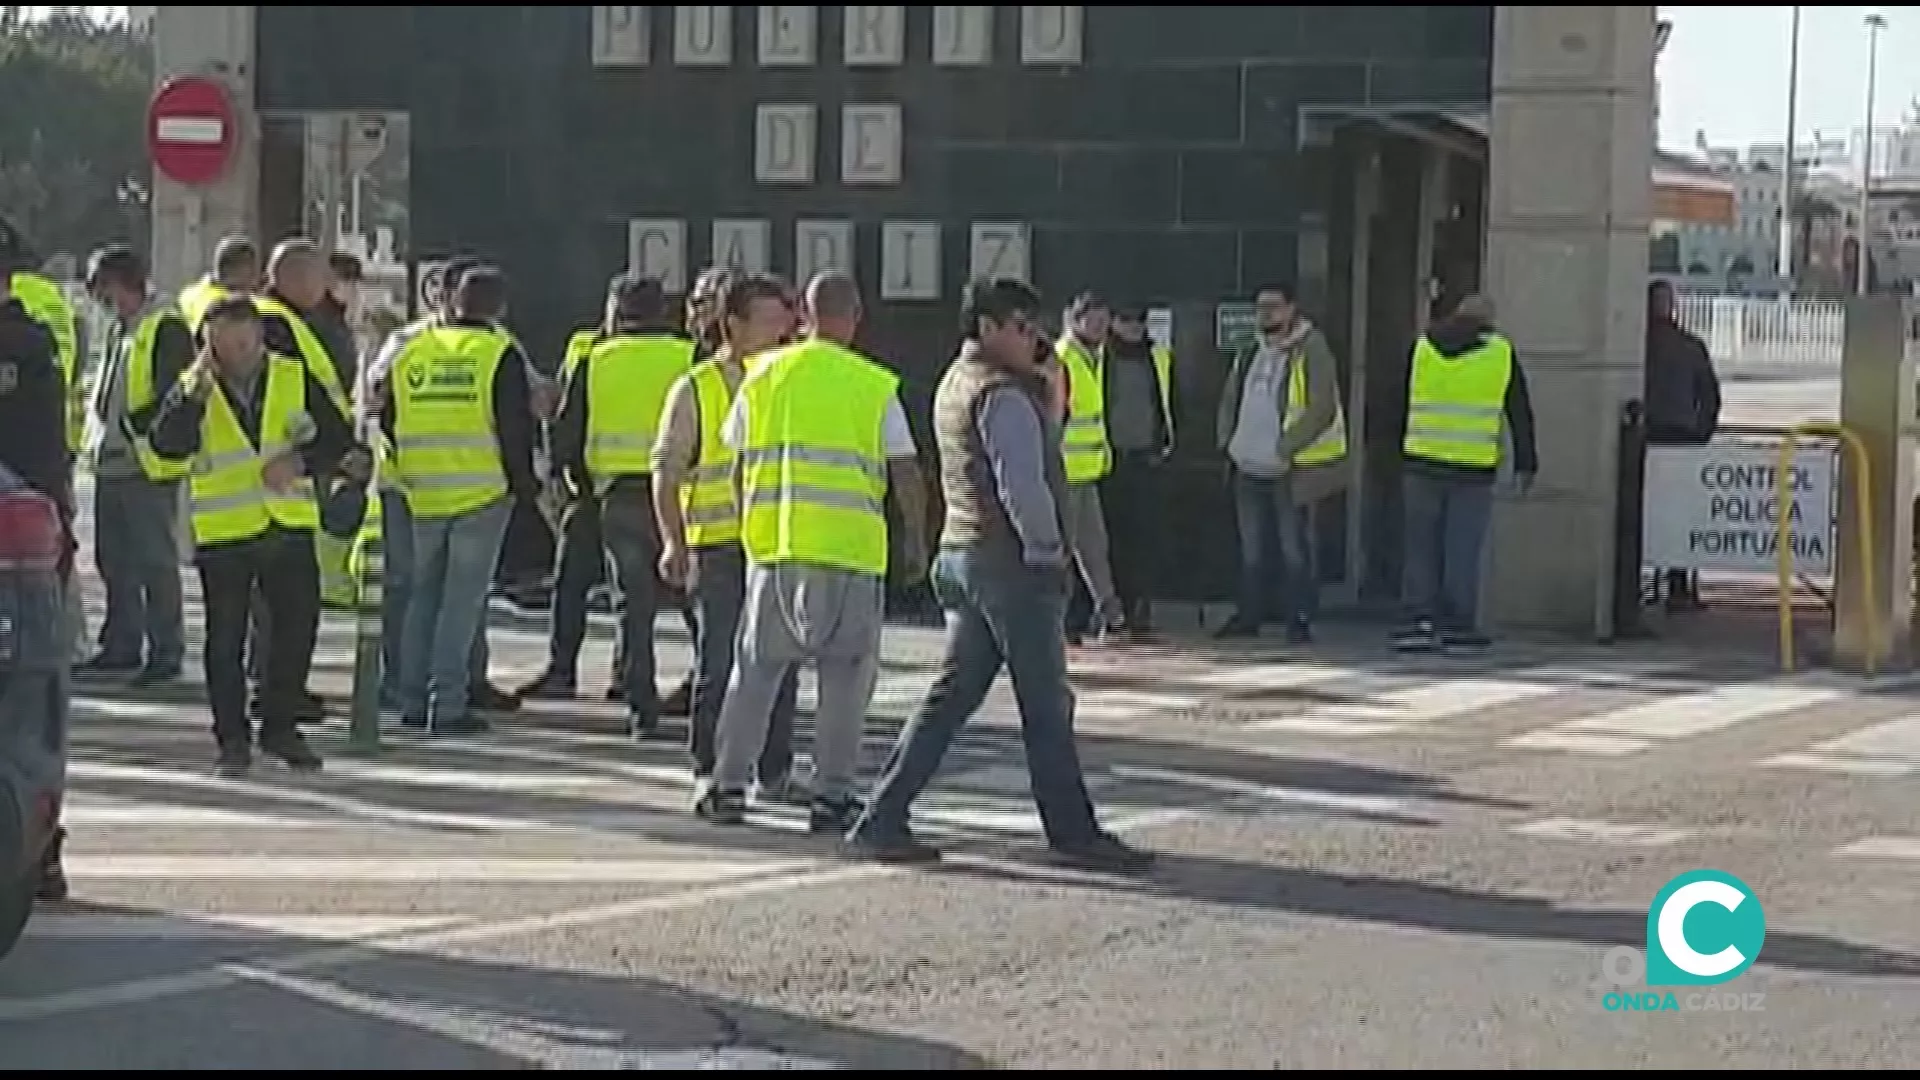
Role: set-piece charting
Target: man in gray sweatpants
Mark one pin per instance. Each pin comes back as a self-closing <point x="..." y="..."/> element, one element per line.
<point x="806" y="597"/>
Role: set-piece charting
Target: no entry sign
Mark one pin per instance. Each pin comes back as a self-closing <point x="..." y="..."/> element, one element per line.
<point x="191" y="130"/>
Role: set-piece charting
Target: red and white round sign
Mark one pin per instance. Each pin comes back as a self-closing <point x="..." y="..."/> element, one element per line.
<point x="192" y="130"/>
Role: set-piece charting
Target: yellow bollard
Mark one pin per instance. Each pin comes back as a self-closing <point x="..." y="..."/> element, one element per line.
<point x="1863" y="525"/>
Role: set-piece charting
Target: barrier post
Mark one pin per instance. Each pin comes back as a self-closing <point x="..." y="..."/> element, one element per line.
<point x="363" y="730"/>
<point x="1859" y="469"/>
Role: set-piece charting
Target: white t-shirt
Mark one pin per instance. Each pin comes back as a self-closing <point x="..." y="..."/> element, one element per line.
<point x="896" y="434"/>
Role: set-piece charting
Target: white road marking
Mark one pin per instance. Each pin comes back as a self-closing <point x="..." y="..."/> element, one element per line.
<point x="1601" y="832"/>
<point x="1679" y="717"/>
<point x="535" y="1042"/>
<point x="1883" y="847"/>
<point x="1889" y="748"/>
<point x="1323" y="800"/>
<point x="403" y="871"/>
<point x="164" y="926"/>
<point x="159" y="987"/>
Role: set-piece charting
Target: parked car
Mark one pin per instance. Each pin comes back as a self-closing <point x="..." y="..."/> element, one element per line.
<point x="34" y="691"/>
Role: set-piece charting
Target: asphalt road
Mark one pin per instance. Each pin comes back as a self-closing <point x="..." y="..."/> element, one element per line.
<point x="1366" y="861"/>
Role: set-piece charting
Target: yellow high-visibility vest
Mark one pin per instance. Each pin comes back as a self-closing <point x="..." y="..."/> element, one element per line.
<point x="1330" y="445"/>
<point x="813" y="463"/>
<point x="142" y="391"/>
<point x="1163" y="376"/>
<point x="1455" y="406"/>
<point x="229" y="493"/>
<point x="706" y="496"/>
<point x="47" y="305"/>
<point x="196" y="298"/>
<point x="628" y="376"/>
<point x="312" y="350"/>
<point x="1083" y="438"/>
<point x="579" y="344"/>
<point x="446" y="449"/>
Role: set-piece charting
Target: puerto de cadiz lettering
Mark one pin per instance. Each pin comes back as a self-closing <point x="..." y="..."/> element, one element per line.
<point x="1743" y="513"/>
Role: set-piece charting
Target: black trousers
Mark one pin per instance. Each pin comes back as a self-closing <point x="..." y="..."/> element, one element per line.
<point x="280" y="565"/>
<point x="1130" y="500"/>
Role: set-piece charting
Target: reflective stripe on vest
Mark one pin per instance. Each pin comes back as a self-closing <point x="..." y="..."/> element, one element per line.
<point x="196" y="298"/>
<point x="1330" y="445"/>
<point x="628" y="376"/>
<point x="47" y="305"/>
<point x="813" y="470"/>
<point x="579" y="344"/>
<point x="230" y="497"/>
<point x="1163" y="376"/>
<point x="446" y="450"/>
<point x="141" y="393"/>
<point x="706" y="497"/>
<point x="1083" y="438"/>
<point x="1454" y="406"/>
<point x="312" y="350"/>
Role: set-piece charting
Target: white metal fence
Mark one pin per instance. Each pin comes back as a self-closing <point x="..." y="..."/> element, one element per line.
<point x="1757" y="336"/>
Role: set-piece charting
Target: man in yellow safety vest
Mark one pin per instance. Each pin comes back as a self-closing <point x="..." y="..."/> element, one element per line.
<point x="821" y="440"/>
<point x="264" y="440"/>
<point x="1280" y="421"/>
<point x="1089" y="457"/>
<point x="236" y="269"/>
<point x="603" y="445"/>
<point x="460" y="421"/>
<point x="136" y="493"/>
<point x="1463" y="386"/>
<point x="693" y="499"/>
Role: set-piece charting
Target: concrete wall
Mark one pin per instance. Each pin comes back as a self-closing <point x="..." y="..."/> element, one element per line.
<point x="1161" y="163"/>
<point x="1568" y="209"/>
<point x="187" y="223"/>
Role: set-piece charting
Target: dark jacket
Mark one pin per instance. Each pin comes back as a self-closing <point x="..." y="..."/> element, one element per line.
<point x="513" y="422"/>
<point x="33" y="404"/>
<point x="1682" y="392"/>
<point x="179" y="424"/>
<point x="280" y="339"/>
<point x="1456" y="337"/>
<point x="567" y="435"/>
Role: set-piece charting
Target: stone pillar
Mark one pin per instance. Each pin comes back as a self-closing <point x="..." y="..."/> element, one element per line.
<point x="1873" y="627"/>
<point x="188" y="222"/>
<point x="1569" y="193"/>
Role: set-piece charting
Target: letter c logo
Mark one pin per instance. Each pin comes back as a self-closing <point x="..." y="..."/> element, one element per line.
<point x="1738" y="927"/>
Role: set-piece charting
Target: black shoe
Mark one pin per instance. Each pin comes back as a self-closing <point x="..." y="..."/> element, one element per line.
<point x="1464" y="641"/>
<point x="616" y="691"/>
<point x="156" y="673"/>
<point x="489" y="698"/>
<point x="722" y="807"/>
<point x="1104" y="854"/>
<point x="107" y="667"/>
<point x="234" y="762"/>
<point x="550" y="686"/>
<point x="643" y="727"/>
<point x="1417" y="638"/>
<point x="414" y="723"/>
<point x="678" y="703"/>
<point x="469" y="724"/>
<point x="291" y="747"/>
<point x="53" y="876"/>
<point x="833" y="814"/>
<point x="901" y="850"/>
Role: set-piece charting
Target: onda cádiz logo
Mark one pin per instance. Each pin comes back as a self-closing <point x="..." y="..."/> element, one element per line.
<point x="1705" y="928"/>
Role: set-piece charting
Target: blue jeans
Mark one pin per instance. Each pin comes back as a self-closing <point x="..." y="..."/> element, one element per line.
<point x="452" y="560"/>
<point x="1445" y="539"/>
<point x="1276" y="553"/>
<point x="396" y="590"/>
<point x="996" y="614"/>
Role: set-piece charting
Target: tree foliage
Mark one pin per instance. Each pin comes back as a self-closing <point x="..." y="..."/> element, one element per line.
<point x="73" y="158"/>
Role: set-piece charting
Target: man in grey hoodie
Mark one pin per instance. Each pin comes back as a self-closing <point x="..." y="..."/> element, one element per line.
<point x="1279" y="418"/>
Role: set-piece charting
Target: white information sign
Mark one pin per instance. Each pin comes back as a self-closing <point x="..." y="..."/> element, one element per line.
<point x="1716" y="507"/>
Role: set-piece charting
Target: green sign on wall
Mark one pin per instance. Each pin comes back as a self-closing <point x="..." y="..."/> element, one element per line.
<point x="1234" y="325"/>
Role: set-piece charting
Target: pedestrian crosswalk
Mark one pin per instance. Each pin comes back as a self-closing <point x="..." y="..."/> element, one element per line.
<point x="1609" y="708"/>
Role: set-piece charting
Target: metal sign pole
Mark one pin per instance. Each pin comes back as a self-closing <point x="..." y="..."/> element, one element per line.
<point x="363" y="732"/>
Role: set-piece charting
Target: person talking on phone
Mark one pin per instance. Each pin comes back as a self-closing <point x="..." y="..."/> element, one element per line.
<point x="273" y="461"/>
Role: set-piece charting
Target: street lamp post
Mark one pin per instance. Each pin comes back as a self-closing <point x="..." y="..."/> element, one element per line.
<point x="1876" y="22"/>
<point x="1787" y="224"/>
